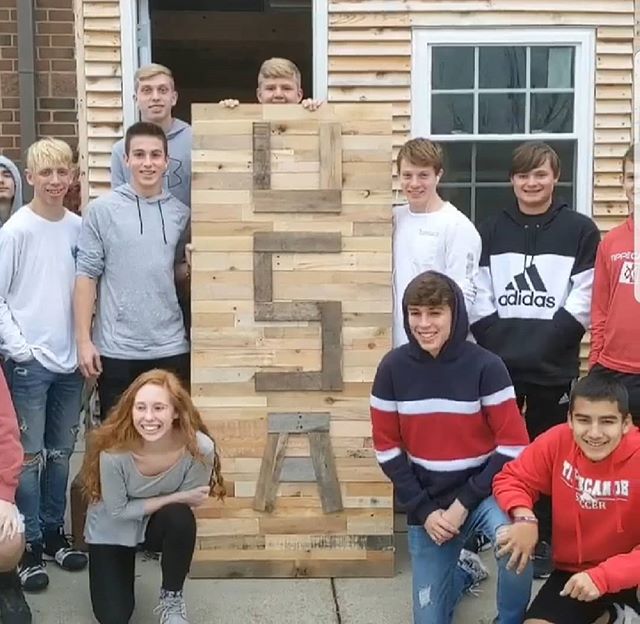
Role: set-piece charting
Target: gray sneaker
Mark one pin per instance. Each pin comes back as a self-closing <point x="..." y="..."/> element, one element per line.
<point x="172" y="608"/>
<point x="471" y="563"/>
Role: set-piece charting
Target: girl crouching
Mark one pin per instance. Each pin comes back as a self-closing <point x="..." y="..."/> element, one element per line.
<point x="145" y="469"/>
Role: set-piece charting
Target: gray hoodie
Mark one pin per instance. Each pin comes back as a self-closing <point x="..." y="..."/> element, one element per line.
<point x="17" y="179"/>
<point x="130" y="244"/>
<point x="177" y="180"/>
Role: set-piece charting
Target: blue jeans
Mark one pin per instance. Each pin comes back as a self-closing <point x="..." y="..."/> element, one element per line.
<point x="438" y="583"/>
<point x="48" y="408"/>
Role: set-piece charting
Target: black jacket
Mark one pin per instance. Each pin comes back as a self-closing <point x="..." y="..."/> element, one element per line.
<point x="534" y="291"/>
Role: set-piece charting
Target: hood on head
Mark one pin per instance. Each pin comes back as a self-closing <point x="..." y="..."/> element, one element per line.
<point x="459" y="320"/>
<point x="17" y="178"/>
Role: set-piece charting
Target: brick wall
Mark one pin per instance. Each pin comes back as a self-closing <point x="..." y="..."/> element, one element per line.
<point x="55" y="74"/>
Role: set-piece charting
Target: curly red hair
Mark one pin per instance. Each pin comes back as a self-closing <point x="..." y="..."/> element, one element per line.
<point x="117" y="433"/>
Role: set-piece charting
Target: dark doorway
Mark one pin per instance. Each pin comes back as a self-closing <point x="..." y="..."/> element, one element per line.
<point x="215" y="47"/>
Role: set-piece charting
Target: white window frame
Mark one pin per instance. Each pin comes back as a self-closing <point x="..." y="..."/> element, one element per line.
<point x="129" y="59"/>
<point x="582" y="39"/>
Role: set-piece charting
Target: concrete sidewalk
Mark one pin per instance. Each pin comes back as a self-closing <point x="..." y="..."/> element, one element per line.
<point x="261" y="601"/>
<point x="247" y="601"/>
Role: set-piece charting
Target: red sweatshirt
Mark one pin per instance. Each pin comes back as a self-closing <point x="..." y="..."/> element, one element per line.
<point x="10" y="447"/>
<point x="615" y="313"/>
<point x="595" y="505"/>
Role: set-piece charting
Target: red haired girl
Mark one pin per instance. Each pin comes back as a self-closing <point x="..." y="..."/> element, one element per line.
<point x="145" y="469"/>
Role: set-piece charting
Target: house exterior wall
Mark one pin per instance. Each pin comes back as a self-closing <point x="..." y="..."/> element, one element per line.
<point x="370" y="45"/>
<point x="55" y="69"/>
<point x="100" y="99"/>
<point x="369" y="59"/>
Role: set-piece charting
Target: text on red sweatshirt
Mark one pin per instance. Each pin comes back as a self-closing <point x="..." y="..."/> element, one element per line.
<point x="595" y="505"/>
<point x="615" y="312"/>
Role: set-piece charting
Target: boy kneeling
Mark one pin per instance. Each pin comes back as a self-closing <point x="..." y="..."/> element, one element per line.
<point x="590" y="468"/>
<point x="445" y="421"/>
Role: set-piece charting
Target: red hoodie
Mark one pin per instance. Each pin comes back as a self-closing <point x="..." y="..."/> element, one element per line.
<point x="595" y="505"/>
<point x="10" y="447"/>
<point x="614" y="308"/>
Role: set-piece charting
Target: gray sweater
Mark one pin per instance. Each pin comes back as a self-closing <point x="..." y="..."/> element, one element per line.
<point x="119" y="518"/>
<point x="130" y="244"/>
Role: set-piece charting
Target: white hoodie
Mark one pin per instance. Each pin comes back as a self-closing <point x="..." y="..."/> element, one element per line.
<point x="444" y="241"/>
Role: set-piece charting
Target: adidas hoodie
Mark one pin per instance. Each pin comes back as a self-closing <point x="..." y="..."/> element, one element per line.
<point x="443" y="427"/>
<point x="534" y="291"/>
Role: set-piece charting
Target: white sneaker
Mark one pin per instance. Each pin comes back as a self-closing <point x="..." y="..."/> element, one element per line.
<point x="172" y="608"/>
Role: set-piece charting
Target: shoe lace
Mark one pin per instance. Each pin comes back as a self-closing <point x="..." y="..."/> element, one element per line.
<point x="171" y="604"/>
<point x="474" y="590"/>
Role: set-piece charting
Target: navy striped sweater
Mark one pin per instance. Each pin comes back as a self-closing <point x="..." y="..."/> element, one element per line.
<point x="443" y="427"/>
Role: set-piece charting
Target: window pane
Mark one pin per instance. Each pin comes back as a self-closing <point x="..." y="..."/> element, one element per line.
<point x="451" y="114"/>
<point x="565" y="192"/>
<point x="491" y="201"/>
<point x="552" y="68"/>
<point x="501" y="113"/>
<point x="493" y="160"/>
<point x="452" y="67"/>
<point x="457" y="161"/>
<point x="552" y="112"/>
<point x="502" y="67"/>
<point x="460" y="197"/>
<point x="566" y="151"/>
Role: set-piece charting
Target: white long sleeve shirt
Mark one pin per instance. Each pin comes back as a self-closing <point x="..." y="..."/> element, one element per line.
<point x="37" y="274"/>
<point x="445" y="241"/>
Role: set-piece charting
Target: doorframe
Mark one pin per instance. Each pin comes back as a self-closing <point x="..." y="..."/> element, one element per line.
<point x="129" y="59"/>
<point x="136" y="49"/>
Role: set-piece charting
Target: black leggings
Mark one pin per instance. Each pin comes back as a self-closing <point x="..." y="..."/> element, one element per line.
<point x="172" y="532"/>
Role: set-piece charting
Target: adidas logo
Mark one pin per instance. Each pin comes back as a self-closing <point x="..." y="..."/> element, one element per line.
<point x="523" y="289"/>
<point x="563" y="399"/>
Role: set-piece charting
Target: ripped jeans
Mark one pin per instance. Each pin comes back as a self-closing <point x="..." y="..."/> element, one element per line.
<point x="48" y="408"/>
<point x="438" y="582"/>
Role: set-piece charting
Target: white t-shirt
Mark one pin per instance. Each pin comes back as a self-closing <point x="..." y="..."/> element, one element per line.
<point x="445" y="241"/>
<point x="37" y="275"/>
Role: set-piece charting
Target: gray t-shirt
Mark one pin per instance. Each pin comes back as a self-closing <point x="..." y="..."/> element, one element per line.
<point x="119" y="518"/>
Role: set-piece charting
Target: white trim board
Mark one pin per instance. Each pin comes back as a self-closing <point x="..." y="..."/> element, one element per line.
<point x="320" y="49"/>
<point x="584" y="40"/>
<point x="129" y="59"/>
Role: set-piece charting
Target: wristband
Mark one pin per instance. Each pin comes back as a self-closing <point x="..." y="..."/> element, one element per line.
<point x="526" y="519"/>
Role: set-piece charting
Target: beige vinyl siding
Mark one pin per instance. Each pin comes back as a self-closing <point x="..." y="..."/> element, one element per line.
<point x="100" y="116"/>
<point x="370" y="60"/>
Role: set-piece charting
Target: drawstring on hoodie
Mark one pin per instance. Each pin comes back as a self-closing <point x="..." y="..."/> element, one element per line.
<point x="139" y="216"/>
<point x="164" y="232"/>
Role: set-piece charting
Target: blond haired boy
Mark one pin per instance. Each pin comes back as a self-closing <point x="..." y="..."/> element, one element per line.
<point x="156" y="96"/>
<point x="428" y="232"/>
<point x="279" y="82"/>
<point x="37" y="273"/>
